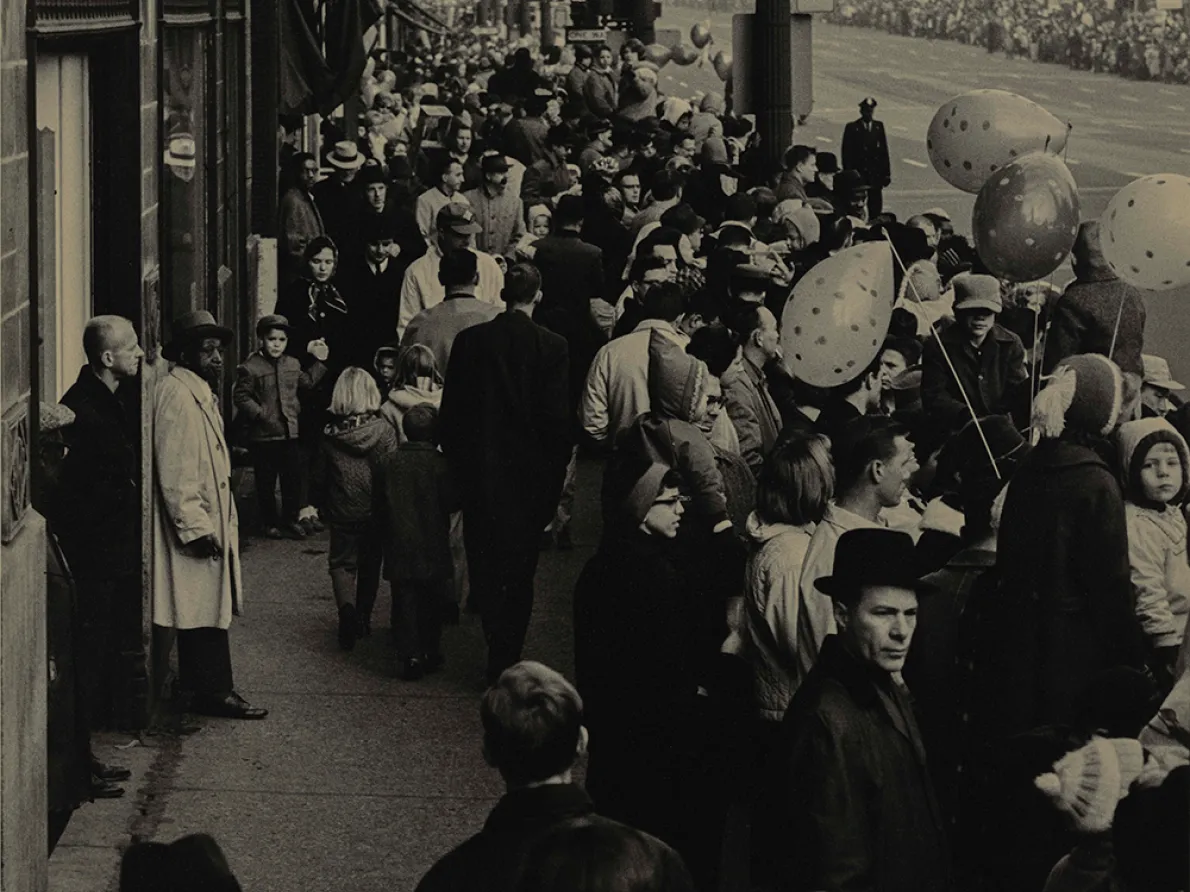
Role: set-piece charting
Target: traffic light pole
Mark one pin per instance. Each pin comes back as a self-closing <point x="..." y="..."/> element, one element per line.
<point x="772" y="78"/>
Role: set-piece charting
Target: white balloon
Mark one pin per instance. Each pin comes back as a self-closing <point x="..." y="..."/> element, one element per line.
<point x="976" y="134"/>
<point x="837" y="317"/>
<point x="1145" y="232"/>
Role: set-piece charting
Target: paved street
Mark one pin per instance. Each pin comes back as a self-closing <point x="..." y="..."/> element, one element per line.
<point x="357" y="780"/>
<point x="1122" y="129"/>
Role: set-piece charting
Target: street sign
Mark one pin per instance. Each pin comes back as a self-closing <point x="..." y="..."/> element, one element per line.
<point x="1169" y="4"/>
<point x="586" y="35"/>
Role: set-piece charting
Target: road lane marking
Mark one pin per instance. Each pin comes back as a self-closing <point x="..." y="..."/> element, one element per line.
<point x="1134" y="174"/>
<point x="914" y="163"/>
<point x="900" y="127"/>
<point x="1184" y="151"/>
<point x="1180" y="108"/>
<point x="825" y="139"/>
<point x="683" y="84"/>
<point x="1083" y="104"/>
<point x="1039" y="95"/>
<point x="1130" y="99"/>
<point x="1072" y="162"/>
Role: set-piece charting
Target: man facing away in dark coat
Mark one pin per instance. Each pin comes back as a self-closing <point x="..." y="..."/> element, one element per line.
<point x="852" y="805"/>
<point x="506" y="429"/>
<point x="533" y="734"/>
<point x="1098" y="313"/>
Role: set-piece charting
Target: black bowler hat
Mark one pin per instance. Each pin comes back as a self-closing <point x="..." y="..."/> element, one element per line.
<point x="871" y="557"/>
<point x="827" y="162"/>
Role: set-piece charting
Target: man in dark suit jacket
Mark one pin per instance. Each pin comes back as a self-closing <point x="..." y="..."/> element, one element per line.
<point x="865" y="148"/>
<point x="572" y="287"/>
<point x="371" y="286"/>
<point x="506" y="429"/>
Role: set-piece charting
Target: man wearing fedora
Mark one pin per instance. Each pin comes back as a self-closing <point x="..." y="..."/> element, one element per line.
<point x="824" y="182"/>
<point x="197" y="585"/>
<point x="337" y="195"/>
<point x="499" y="212"/>
<point x="988" y="360"/>
<point x="852" y="798"/>
<point x="865" y="149"/>
<point x="1156" y="386"/>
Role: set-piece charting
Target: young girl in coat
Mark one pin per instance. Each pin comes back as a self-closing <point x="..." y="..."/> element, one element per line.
<point x="1155" y="467"/>
<point x="418" y="381"/>
<point x="355" y="443"/>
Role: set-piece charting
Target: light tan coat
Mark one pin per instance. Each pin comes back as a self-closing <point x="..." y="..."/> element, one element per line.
<point x="192" y="498"/>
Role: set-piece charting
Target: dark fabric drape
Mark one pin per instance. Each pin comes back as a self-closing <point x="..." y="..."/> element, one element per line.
<point x="310" y="81"/>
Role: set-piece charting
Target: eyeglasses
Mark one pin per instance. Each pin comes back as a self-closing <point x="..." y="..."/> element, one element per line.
<point x="674" y="500"/>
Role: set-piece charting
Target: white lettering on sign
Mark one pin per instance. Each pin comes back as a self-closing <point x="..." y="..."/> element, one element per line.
<point x="586" y="35"/>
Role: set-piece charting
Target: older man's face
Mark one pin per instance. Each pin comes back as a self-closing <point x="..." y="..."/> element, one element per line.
<point x="879" y="627"/>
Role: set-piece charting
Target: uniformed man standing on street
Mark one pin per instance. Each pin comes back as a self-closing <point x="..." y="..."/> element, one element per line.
<point x="865" y="148"/>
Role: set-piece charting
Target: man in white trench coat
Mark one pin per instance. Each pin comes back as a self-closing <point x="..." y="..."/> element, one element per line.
<point x="196" y="550"/>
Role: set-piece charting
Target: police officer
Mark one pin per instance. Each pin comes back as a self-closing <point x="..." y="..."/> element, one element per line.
<point x="865" y="148"/>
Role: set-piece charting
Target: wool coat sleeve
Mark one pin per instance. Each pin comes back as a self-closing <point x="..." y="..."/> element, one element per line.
<point x="773" y="601"/>
<point x="742" y="412"/>
<point x="1065" y="335"/>
<point x="594" y="409"/>
<point x="1147" y="556"/>
<point x="178" y="444"/>
<point x="244" y="394"/>
<point x="412" y="300"/>
<point x="832" y="820"/>
<point x="939" y="388"/>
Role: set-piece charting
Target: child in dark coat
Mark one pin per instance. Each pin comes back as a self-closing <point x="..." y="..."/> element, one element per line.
<point x="421" y="498"/>
<point x="266" y="394"/>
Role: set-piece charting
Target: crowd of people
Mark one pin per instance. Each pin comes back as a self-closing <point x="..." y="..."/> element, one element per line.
<point x="924" y="630"/>
<point x="1084" y="36"/>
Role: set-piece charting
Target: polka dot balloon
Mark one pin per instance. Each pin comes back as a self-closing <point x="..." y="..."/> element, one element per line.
<point x="1145" y="232"/>
<point x="976" y="134"/>
<point x="837" y="317"/>
<point x="1026" y="218"/>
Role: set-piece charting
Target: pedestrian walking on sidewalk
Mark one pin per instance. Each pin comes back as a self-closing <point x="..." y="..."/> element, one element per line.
<point x="355" y="443"/>
<point x="197" y="585"/>
<point x="421" y="496"/>
<point x="506" y="429"/>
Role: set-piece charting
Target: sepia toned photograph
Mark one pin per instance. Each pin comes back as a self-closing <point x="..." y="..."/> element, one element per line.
<point x="594" y="446"/>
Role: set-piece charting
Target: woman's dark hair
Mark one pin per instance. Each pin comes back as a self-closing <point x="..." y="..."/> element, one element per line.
<point x="598" y="855"/>
<point x="320" y="243"/>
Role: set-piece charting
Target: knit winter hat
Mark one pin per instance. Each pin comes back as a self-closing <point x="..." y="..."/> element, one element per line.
<point x="1085" y="393"/>
<point x="1089" y="782"/>
<point x="1135" y="439"/>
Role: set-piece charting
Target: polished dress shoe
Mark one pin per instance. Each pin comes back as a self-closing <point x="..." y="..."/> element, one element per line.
<point x="109" y="772"/>
<point x="101" y="789"/>
<point x="227" y="706"/>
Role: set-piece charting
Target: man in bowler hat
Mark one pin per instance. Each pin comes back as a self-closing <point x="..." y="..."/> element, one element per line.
<point x="850" y="779"/>
<point x="865" y="148"/>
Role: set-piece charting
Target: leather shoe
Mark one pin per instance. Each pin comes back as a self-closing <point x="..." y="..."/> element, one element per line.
<point x="228" y="706"/>
<point x="109" y="772"/>
<point x="101" y="789"/>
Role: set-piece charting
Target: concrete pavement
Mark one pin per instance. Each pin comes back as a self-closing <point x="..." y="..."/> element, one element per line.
<point x="356" y="780"/>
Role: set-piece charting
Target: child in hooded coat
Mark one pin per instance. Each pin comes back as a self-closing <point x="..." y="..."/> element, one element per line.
<point x="1155" y="465"/>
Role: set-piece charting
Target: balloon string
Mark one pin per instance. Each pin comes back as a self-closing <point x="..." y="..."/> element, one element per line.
<point x="1116" y="331"/>
<point x="945" y="355"/>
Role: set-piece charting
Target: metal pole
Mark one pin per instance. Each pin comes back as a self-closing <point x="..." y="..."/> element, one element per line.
<point x="772" y="79"/>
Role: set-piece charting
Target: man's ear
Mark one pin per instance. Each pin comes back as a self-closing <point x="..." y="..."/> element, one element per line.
<point x="842" y="614"/>
<point x="584" y="738"/>
<point x="876" y="470"/>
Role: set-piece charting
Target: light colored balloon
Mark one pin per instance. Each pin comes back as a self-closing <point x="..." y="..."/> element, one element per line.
<point x="700" y="33"/>
<point x="1145" y="232"/>
<point x="976" y="134"/>
<point x="1026" y="218"/>
<point x="722" y="63"/>
<point x="837" y="317"/>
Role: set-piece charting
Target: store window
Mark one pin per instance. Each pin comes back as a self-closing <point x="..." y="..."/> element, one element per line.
<point x="184" y="178"/>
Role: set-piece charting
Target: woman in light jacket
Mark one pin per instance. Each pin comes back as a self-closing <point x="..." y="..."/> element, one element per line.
<point x="795" y="485"/>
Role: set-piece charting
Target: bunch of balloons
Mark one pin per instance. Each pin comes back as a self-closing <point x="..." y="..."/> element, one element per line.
<point x="1004" y="148"/>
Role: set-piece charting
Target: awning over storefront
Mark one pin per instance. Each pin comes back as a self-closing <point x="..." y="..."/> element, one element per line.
<point x="418" y="16"/>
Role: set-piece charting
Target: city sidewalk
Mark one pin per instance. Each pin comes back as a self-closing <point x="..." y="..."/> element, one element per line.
<point x="356" y="780"/>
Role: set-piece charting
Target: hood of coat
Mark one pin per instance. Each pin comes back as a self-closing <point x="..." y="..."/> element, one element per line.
<point x="677" y="380"/>
<point x="673" y="108"/>
<point x="759" y="532"/>
<point x="1135" y="439"/>
<point x="405" y="398"/>
<point x="357" y="434"/>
